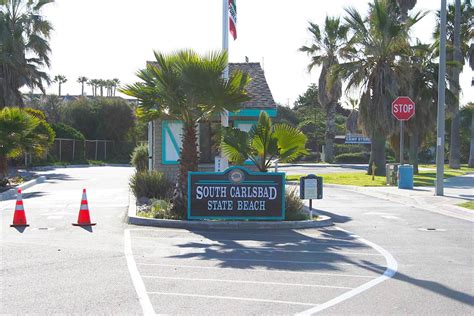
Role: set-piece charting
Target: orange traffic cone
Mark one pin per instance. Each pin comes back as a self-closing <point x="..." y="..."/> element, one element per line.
<point x="84" y="218"/>
<point x="19" y="218"/>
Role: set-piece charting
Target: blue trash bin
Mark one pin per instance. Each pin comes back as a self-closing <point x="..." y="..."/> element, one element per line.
<point x="405" y="177"/>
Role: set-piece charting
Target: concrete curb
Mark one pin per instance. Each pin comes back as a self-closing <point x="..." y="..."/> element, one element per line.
<point x="133" y="219"/>
<point x="7" y="195"/>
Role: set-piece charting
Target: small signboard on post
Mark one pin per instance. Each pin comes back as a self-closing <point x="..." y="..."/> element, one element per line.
<point x="311" y="187"/>
<point x="236" y="193"/>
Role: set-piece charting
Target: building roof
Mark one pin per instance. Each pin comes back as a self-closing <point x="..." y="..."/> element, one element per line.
<point x="258" y="87"/>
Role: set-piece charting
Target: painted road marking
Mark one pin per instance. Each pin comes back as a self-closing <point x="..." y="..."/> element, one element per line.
<point x="232" y="298"/>
<point x="143" y="298"/>
<point x="257" y="270"/>
<point x="246" y="282"/>
<point x="268" y="249"/>
<point x="304" y="242"/>
<point x="391" y="270"/>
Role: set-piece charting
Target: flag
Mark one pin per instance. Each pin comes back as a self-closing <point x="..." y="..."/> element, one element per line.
<point x="233" y="18"/>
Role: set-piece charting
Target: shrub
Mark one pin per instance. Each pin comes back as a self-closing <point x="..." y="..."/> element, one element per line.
<point x="66" y="131"/>
<point x="353" y="158"/>
<point x="340" y="149"/>
<point x="294" y="206"/>
<point x="151" y="184"/>
<point x="140" y="158"/>
<point x="160" y="209"/>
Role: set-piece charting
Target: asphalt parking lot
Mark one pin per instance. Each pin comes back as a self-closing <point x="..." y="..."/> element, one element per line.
<point x="248" y="272"/>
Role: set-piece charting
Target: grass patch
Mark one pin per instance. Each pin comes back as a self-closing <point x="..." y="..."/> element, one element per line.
<point x="463" y="168"/>
<point x="469" y="205"/>
<point x="424" y="178"/>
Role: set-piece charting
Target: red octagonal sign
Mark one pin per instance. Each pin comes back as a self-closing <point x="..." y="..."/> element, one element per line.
<point x="403" y="108"/>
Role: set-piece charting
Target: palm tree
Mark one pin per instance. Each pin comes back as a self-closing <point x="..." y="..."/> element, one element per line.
<point x="60" y="79"/>
<point x="264" y="143"/>
<point x="18" y="134"/>
<point x="405" y="6"/>
<point x="116" y="83"/>
<point x="373" y="54"/>
<point x="24" y="51"/>
<point x="101" y="83"/>
<point x="187" y="87"/>
<point x="459" y="33"/>
<point x="82" y="80"/>
<point x="324" y="52"/>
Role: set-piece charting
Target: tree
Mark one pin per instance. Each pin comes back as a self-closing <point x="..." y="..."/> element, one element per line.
<point x="24" y="50"/>
<point x="116" y="83"/>
<point x="264" y="143"/>
<point x="187" y="87"/>
<point x="324" y="52"/>
<point x="60" y="79"/>
<point x="373" y="52"/>
<point x="19" y="132"/>
<point x="82" y="80"/>
<point x="459" y="32"/>
<point x="470" y="106"/>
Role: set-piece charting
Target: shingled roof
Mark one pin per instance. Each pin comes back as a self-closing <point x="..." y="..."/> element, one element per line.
<point x="258" y="88"/>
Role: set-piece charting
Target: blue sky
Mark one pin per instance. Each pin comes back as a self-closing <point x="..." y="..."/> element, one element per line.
<point x="113" y="38"/>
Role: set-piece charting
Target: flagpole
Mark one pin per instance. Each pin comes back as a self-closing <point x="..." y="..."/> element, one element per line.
<point x="224" y="164"/>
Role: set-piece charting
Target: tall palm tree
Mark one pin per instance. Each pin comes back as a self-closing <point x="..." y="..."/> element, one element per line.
<point x="324" y="51"/>
<point x="82" y="80"/>
<point x="187" y="87"/>
<point x="60" y="79"/>
<point x="116" y="83"/>
<point x="459" y="33"/>
<point x="405" y="6"/>
<point x="373" y="52"/>
<point x="24" y="49"/>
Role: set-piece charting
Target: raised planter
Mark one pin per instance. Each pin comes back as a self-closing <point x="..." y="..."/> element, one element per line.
<point x="133" y="219"/>
<point x="10" y="194"/>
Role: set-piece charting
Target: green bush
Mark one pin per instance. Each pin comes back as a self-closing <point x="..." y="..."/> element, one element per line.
<point x="294" y="206"/>
<point x="151" y="184"/>
<point x="340" y="149"/>
<point x="353" y="158"/>
<point x="140" y="158"/>
<point x="159" y="209"/>
<point x="66" y="131"/>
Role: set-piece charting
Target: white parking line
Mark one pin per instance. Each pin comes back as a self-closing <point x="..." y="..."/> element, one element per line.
<point x="268" y="249"/>
<point x="305" y="242"/>
<point x="135" y="275"/>
<point x="276" y="261"/>
<point x="232" y="298"/>
<point x="246" y="282"/>
<point x="391" y="270"/>
<point x="256" y="270"/>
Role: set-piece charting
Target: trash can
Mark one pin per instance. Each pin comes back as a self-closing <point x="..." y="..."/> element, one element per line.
<point x="391" y="171"/>
<point x="405" y="177"/>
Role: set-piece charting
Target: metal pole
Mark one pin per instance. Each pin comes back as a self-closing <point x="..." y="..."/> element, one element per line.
<point x="60" y="150"/>
<point x="225" y="47"/>
<point x="105" y="150"/>
<point x="73" y="149"/>
<point x="96" y="145"/>
<point x="401" y="143"/>
<point x="310" y="209"/>
<point x="441" y="102"/>
<point x="150" y="146"/>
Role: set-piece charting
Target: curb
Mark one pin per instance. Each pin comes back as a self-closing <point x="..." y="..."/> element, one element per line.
<point x="12" y="192"/>
<point x="133" y="219"/>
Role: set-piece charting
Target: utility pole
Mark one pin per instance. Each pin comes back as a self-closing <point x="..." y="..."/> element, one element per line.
<point x="224" y="163"/>
<point x="441" y="102"/>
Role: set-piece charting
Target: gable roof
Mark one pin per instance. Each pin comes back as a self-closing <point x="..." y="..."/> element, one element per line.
<point x="258" y="87"/>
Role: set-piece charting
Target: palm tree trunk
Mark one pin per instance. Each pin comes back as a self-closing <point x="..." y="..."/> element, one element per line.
<point x="377" y="155"/>
<point x="330" y="131"/>
<point x="454" y="145"/>
<point x="188" y="162"/>
<point x="59" y="89"/>
<point x="82" y="89"/>
<point x="413" y="153"/>
<point x="471" y="151"/>
<point x="3" y="166"/>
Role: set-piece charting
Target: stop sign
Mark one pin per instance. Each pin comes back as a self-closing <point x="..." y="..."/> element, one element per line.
<point x="403" y="108"/>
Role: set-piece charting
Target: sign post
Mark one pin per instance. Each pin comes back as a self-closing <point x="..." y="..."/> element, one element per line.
<point x="403" y="108"/>
<point x="311" y="187"/>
